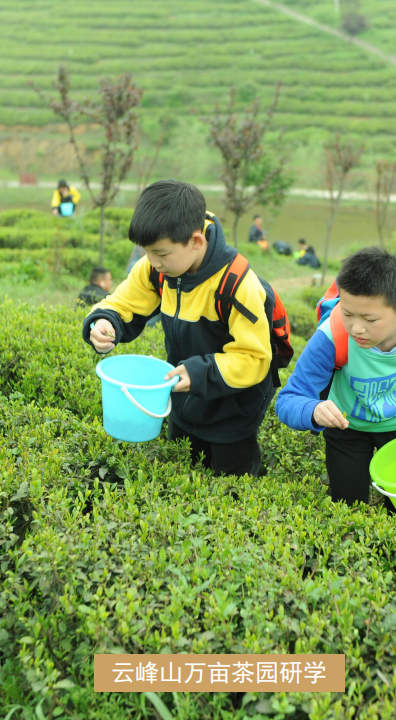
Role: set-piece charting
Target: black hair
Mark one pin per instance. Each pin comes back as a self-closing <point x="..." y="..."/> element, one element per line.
<point x="302" y="242"/>
<point x="62" y="183"/>
<point x="256" y="216"/>
<point x="167" y="209"/>
<point x="97" y="273"/>
<point x="370" y="272"/>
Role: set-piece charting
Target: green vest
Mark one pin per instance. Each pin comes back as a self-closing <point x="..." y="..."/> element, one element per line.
<point x="365" y="388"/>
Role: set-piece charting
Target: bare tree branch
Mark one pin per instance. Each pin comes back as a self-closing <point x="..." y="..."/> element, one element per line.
<point x="113" y="112"/>
<point x="240" y="140"/>
<point x="341" y="157"/>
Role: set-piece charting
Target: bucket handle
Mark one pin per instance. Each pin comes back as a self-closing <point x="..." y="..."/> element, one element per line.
<point x="382" y="491"/>
<point x="148" y="412"/>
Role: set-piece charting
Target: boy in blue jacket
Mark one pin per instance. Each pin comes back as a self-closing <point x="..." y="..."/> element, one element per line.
<point x="225" y="385"/>
<point x="365" y="386"/>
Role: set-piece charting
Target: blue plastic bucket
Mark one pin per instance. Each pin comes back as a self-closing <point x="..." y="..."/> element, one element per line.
<point x="67" y="209"/>
<point x="135" y="396"/>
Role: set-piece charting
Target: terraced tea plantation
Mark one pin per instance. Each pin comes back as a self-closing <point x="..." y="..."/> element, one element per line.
<point x="186" y="56"/>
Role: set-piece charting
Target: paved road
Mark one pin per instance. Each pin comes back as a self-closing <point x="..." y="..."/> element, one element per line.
<point x="131" y="187"/>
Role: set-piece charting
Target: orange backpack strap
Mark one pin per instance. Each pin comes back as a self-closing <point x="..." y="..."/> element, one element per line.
<point x="278" y="322"/>
<point x="229" y="283"/>
<point x="281" y="332"/>
<point x="157" y="279"/>
<point x="340" y="337"/>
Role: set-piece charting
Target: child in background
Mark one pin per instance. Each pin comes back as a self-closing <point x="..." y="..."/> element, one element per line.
<point x="364" y="388"/>
<point x="65" y="199"/>
<point x="99" y="287"/>
<point x="225" y="385"/>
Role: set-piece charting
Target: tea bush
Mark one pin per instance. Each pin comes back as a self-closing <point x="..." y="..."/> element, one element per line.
<point x="70" y="244"/>
<point x="311" y="295"/>
<point x="302" y="320"/>
<point x="108" y="546"/>
<point x="43" y="356"/>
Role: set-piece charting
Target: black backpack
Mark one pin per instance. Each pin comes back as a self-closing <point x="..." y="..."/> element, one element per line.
<point x="282" y="248"/>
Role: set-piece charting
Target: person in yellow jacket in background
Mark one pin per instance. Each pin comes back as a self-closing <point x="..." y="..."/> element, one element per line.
<point x="225" y="384"/>
<point x="65" y="199"/>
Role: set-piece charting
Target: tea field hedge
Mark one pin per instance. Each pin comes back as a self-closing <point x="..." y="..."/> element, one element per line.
<point x="186" y="56"/>
<point x="112" y="547"/>
<point x="33" y="243"/>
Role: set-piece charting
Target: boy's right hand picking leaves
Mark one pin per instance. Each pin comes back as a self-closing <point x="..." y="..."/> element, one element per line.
<point x="101" y="336"/>
<point x="327" y="414"/>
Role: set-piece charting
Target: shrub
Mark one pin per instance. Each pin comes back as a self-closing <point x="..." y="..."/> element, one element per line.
<point x="303" y="320"/>
<point x="117" y="221"/>
<point x="26" y="218"/>
<point x="354" y="23"/>
<point x="311" y="295"/>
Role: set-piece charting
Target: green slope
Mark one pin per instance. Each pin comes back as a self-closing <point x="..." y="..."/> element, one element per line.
<point x="187" y="56"/>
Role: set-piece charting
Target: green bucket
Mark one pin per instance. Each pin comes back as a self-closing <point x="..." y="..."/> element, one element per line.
<point x="383" y="471"/>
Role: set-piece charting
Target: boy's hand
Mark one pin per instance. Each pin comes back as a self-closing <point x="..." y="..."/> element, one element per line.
<point x="184" y="383"/>
<point x="327" y="413"/>
<point x="99" y="336"/>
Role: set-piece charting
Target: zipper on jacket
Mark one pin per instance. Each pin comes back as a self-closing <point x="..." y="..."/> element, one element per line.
<point x="177" y="315"/>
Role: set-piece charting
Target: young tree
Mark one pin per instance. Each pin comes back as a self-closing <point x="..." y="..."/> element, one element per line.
<point x="385" y="186"/>
<point x="341" y="157"/>
<point x="114" y="113"/>
<point x="145" y="165"/>
<point x="249" y="176"/>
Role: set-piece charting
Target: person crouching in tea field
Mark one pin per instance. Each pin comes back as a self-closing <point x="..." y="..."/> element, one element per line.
<point x="225" y="385"/>
<point x="65" y="199"/>
<point x="359" y="338"/>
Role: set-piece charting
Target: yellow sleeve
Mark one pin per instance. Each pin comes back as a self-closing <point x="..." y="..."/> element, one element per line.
<point x="245" y="361"/>
<point x="75" y="194"/>
<point x="56" y="200"/>
<point x="136" y="295"/>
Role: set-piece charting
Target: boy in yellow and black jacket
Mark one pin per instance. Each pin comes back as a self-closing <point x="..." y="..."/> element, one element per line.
<point x="225" y="385"/>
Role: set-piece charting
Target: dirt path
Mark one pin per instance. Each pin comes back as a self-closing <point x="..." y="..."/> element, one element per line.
<point x="281" y="284"/>
<point x="362" y="44"/>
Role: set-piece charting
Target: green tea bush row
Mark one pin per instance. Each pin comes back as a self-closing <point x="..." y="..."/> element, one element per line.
<point x="319" y="91"/>
<point x="111" y="547"/>
<point x="44" y="358"/>
<point x="344" y="108"/>
<point x="335" y="123"/>
<point x="43" y="242"/>
<point x="26" y="238"/>
<point x="34" y="239"/>
<point x="74" y="261"/>
<point x="77" y="261"/>
<point x="295" y="101"/>
<point x="335" y="94"/>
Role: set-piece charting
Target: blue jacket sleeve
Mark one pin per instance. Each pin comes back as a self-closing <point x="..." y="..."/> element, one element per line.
<point x="313" y="372"/>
